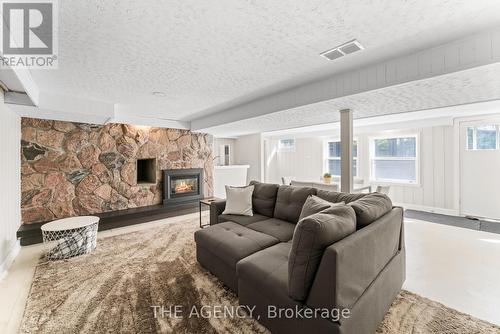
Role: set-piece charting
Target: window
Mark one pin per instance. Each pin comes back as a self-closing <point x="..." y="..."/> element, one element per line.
<point x="394" y="159"/>
<point x="333" y="158"/>
<point x="483" y="137"/>
<point x="286" y="145"/>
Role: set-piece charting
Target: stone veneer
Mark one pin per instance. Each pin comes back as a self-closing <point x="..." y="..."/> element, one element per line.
<point x="70" y="169"/>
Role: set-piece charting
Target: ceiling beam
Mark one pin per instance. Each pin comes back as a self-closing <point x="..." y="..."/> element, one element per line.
<point x="444" y="116"/>
<point x="19" y="80"/>
<point x="466" y="53"/>
<point x="66" y="108"/>
<point x="75" y="109"/>
<point x="17" y="98"/>
<point x="68" y="116"/>
<point x="122" y="116"/>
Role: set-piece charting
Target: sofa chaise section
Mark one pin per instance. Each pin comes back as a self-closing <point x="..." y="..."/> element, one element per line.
<point x="221" y="246"/>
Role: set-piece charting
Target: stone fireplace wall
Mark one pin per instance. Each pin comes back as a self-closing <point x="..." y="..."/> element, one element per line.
<point x="70" y="169"/>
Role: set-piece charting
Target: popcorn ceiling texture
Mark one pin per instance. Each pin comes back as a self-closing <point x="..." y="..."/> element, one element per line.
<point x="215" y="54"/>
<point x="70" y="169"/>
<point x="469" y="86"/>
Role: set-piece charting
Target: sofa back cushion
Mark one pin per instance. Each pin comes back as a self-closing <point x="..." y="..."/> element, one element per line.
<point x="336" y="197"/>
<point x="289" y="202"/>
<point x="312" y="235"/>
<point x="370" y="207"/>
<point x="264" y="198"/>
<point x="349" y="266"/>
<point x="314" y="204"/>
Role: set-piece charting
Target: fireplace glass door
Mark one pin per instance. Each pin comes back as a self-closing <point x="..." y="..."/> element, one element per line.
<point x="183" y="185"/>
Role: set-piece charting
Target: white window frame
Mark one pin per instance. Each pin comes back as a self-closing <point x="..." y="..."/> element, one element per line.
<point x="326" y="157"/>
<point x="372" y="139"/>
<point x="286" y="149"/>
<point x="474" y="138"/>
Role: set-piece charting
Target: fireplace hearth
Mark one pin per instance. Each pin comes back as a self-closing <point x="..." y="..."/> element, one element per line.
<point x="182" y="185"/>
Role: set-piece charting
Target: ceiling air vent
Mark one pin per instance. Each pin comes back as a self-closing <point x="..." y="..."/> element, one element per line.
<point x="332" y="54"/>
<point x="342" y="50"/>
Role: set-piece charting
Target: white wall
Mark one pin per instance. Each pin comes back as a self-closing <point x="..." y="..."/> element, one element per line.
<point x="248" y="150"/>
<point x="437" y="180"/>
<point x="10" y="194"/>
<point x="305" y="163"/>
<point x="218" y="153"/>
<point x="436" y="191"/>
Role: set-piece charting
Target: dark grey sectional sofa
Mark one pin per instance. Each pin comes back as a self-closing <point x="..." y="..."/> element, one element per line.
<point x="362" y="272"/>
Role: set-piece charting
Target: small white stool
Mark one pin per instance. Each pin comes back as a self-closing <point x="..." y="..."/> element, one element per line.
<point x="70" y="237"/>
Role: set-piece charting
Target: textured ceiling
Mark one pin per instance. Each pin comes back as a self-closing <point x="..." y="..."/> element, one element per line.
<point x="474" y="85"/>
<point x="208" y="55"/>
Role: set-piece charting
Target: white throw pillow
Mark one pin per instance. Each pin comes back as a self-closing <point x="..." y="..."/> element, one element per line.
<point x="239" y="201"/>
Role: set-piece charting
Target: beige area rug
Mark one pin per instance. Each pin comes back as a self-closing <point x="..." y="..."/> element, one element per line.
<point x="113" y="290"/>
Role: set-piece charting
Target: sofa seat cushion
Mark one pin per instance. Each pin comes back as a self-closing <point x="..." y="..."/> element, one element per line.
<point x="264" y="198"/>
<point x="242" y="220"/>
<point x="289" y="202"/>
<point x="267" y="271"/>
<point x="280" y="229"/>
<point x="231" y="242"/>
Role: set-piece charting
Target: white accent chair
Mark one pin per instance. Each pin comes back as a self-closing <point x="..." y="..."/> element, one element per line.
<point x="287" y="180"/>
<point x="301" y="183"/>
<point x="383" y="189"/>
<point x="317" y="185"/>
<point x="325" y="186"/>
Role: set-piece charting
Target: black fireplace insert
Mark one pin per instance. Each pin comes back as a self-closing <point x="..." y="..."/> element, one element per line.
<point x="182" y="185"/>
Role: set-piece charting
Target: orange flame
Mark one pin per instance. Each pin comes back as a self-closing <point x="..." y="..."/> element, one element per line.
<point x="183" y="187"/>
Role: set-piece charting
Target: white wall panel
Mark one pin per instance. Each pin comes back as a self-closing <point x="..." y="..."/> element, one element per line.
<point x="10" y="183"/>
<point x="305" y="163"/>
<point x="248" y="150"/>
<point x="449" y="169"/>
<point x="218" y="142"/>
<point x="437" y="185"/>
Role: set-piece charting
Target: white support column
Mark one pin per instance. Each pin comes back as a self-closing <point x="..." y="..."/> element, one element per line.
<point x="346" y="177"/>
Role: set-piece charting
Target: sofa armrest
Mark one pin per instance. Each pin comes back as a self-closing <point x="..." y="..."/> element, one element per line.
<point x="349" y="266"/>
<point x="216" y="209"/>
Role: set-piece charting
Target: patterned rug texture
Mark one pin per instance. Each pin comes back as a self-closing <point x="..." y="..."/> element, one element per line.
<point x="119" y="287"/>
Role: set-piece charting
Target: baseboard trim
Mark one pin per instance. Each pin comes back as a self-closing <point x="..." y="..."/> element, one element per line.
<point x="431" y="209"/>
<point x="5" y="265"/>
